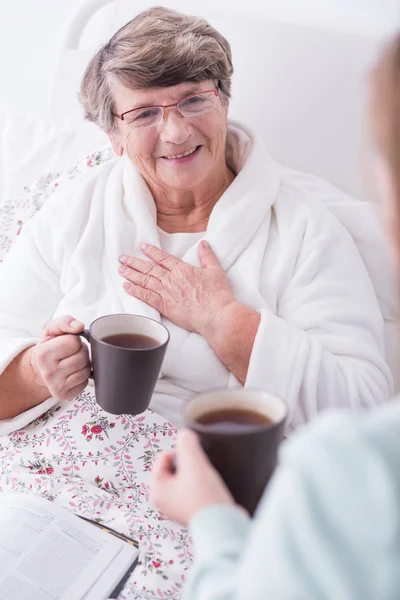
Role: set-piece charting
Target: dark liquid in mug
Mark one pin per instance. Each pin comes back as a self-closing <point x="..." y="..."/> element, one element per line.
<point x="132" y="341"/>
<point x="233" y="419"/>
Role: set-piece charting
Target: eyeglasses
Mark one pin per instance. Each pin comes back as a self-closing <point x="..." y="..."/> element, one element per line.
<point x="190" y="106"/>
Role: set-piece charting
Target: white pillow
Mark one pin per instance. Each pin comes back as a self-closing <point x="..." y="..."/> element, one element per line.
<point x="32" y="145"/>
<point x="17" y="209"/>
<point x="3" y="117"/>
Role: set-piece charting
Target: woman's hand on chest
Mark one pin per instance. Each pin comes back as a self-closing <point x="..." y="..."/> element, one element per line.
<point x="193" y="298"/>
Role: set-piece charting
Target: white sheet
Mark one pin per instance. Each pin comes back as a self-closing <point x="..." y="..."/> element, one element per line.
<point x="34" y="145"/>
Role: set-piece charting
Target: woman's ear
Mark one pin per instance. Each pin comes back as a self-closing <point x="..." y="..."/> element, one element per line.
<point x="116" y="143"/>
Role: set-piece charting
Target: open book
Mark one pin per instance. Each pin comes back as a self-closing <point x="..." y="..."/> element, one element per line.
<point x="48" y="553"/>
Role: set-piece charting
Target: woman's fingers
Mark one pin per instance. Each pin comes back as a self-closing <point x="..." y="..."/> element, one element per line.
<point x="160" y="257"/>
<point x="63" y="365"/>
<point x="53" y="350"/>
<point x="143" y="280"/>
<point x="78" y="378"/>
<point x="164" y="465"/>
<point x="72" y="393"/>
<point x="75" y="362"/>
<point x="65" y="324"/>
<point x="148" y="296"/>
<point x="189" y="450"/>
<point x="162" y="476"/>
<point x="180" y="494"/>
<point x="60" y="360"/>
<point x="191" y="297"/>
<point x="144" y="266"/>
<point x="206" y="256"/>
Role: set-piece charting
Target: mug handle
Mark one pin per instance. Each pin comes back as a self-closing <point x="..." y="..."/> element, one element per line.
<point x="86" y="334"/>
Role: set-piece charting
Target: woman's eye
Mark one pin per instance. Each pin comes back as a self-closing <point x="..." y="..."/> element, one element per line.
<point x="193" y="100"/>
<point x="146" y="114"/>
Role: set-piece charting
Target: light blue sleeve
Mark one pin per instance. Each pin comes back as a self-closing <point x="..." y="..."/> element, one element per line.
<point x="219" y="533"/>
<point x="327" y="527"/>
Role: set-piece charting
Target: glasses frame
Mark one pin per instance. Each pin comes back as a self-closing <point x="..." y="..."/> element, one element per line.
<point x="164" y="106"/>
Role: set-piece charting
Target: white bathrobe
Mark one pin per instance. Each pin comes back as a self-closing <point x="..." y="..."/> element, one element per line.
<point x="320" y="340"/>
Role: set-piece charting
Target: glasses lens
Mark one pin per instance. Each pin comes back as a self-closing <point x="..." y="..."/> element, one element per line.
<point x="198" y="105"/>
<point x="144" y="117"/>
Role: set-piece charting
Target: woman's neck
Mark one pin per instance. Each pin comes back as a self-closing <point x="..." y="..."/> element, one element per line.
<point x="188" y="211"/>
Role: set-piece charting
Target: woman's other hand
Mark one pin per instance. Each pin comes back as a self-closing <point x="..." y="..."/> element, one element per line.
<point x="180" y="493"/>
<point x="61" y="361"/>
<point x="193" y="298"/>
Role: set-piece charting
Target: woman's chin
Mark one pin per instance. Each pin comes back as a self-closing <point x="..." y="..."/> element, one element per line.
<point x="184" y="176"/>
<point x="184" y="180"/>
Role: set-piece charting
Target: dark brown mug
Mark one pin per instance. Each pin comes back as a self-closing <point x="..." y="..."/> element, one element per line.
<point x="125" y="376"/>
<point x="245" y="454"/>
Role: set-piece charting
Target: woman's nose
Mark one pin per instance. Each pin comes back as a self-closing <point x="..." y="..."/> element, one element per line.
<point x="174" y="127"/>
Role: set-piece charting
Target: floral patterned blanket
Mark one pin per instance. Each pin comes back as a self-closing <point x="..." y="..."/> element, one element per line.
<point x="91" y="463"/>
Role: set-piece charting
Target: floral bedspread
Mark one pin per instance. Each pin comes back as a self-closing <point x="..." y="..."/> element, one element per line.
<point x="97" y="465"/>
<point x="89" y="462"/>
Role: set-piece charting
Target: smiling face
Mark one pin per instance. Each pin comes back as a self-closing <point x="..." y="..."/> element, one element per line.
<point x="156" y="151"/>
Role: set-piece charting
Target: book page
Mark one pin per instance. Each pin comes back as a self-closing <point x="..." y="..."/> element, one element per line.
<point x="47" y="553"/>
<point x="109" y="580"/>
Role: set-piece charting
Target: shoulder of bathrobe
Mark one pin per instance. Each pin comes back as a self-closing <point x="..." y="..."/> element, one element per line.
<point x="71" y="201"/>
<point x="305" y="201"/>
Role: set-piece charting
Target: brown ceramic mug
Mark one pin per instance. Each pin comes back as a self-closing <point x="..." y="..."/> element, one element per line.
<point x="127" y="354"/>
<point x="243" y="444"/>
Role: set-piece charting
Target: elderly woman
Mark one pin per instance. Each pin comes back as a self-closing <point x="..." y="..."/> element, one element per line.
<point x="195" y="225"/>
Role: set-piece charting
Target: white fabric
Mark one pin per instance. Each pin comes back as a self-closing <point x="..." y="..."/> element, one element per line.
<point x="178" y="244"/>
<point x="33" y="145"/>
<point x="320" y="340"/>
<point x="364" y="222"/>
<point x="3" y="120"/>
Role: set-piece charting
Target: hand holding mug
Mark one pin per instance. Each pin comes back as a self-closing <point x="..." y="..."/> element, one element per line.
<point x="240" y="431"/>
<point x="180" y="494"/>
<point x="127" y="354"/>
<point x="60" y="359"/>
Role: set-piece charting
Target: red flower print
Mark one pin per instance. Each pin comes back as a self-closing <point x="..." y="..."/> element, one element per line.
<point x="49" y="470"/>
<point x="96" y="429"/>
<point x="84" y="429"/>
<point x="156" y="564"/>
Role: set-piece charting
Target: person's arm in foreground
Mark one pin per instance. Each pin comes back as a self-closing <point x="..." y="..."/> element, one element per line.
<point x="320" y="531"/>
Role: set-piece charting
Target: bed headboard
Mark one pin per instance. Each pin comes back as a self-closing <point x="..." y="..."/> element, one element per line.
<point x="302" y="88"/>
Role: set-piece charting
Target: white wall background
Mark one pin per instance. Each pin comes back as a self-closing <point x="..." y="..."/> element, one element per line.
<point x="31" y="32"/>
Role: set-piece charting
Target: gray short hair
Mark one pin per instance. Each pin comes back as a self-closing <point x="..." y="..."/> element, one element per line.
<point x="158" y="48"/>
